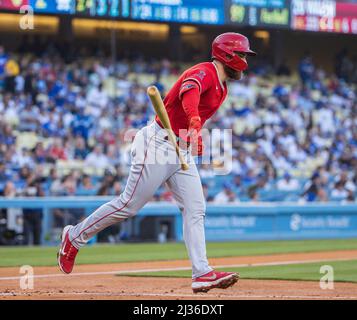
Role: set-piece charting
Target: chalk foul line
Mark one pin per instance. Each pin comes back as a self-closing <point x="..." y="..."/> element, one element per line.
<point x="131" y="271"/>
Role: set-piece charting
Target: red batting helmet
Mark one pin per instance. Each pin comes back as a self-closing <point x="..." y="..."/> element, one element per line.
<point x="225" y="46"/>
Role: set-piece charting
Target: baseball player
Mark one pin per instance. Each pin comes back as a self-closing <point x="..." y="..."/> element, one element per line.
<point x="193" y="99"/>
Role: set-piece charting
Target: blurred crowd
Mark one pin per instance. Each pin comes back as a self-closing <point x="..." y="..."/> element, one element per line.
<point x="292" y="140"/>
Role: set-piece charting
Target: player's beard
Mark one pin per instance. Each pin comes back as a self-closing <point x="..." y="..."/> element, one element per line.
<point x="233" y="74"/>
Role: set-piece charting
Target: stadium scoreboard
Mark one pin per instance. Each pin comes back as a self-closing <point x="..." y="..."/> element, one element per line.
<point x="183" y="11"/>
<point x="217" y="12"/>
<point x="307" y="15"/>
<point x="324" y="16"/>
<point x="89" y="8"/>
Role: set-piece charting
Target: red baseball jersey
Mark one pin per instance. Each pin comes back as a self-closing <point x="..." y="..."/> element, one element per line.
<point x="212" y="94"/>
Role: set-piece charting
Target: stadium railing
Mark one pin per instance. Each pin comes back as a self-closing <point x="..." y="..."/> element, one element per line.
<point x="239" y="221"/>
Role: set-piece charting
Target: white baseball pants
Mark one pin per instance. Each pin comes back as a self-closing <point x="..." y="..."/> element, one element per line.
<point x="155" y="162"/>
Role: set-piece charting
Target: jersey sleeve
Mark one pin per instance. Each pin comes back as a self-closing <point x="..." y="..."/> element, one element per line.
<point x="190" y="101"/>
<point x="196" y="78"/>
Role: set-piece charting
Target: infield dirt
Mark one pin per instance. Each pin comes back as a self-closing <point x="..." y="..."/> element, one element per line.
<point x="99" y="281"/>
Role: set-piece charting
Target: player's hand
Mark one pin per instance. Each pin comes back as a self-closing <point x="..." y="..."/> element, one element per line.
<point x="194" y="136"/>
<point x="197" y="147"/>
<point x="194" y="130"/>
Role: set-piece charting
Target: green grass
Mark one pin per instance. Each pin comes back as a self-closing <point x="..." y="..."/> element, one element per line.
<point x="344" y="271"/>
<point x="46" y="256"/>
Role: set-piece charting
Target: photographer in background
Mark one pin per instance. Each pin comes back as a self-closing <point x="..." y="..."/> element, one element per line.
<point x="33" y="216"/>
<point x="11" y="219"/>
<point x="314" y="189"/>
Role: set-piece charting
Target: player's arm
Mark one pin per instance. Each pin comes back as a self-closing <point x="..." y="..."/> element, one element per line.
<point x="196" y="82"/>
<point x="190" y="101"/>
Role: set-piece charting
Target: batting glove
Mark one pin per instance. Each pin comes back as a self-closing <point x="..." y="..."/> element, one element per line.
<point x="194" y="136"/>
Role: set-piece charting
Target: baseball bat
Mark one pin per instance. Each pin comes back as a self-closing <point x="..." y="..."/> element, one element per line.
<point x="161" y="112"/>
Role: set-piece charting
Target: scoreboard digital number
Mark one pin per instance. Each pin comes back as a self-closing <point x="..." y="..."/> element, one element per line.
<point x="99" y="8"/>
<point x="275" y="13"/>
<point x="188" y="11"/>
